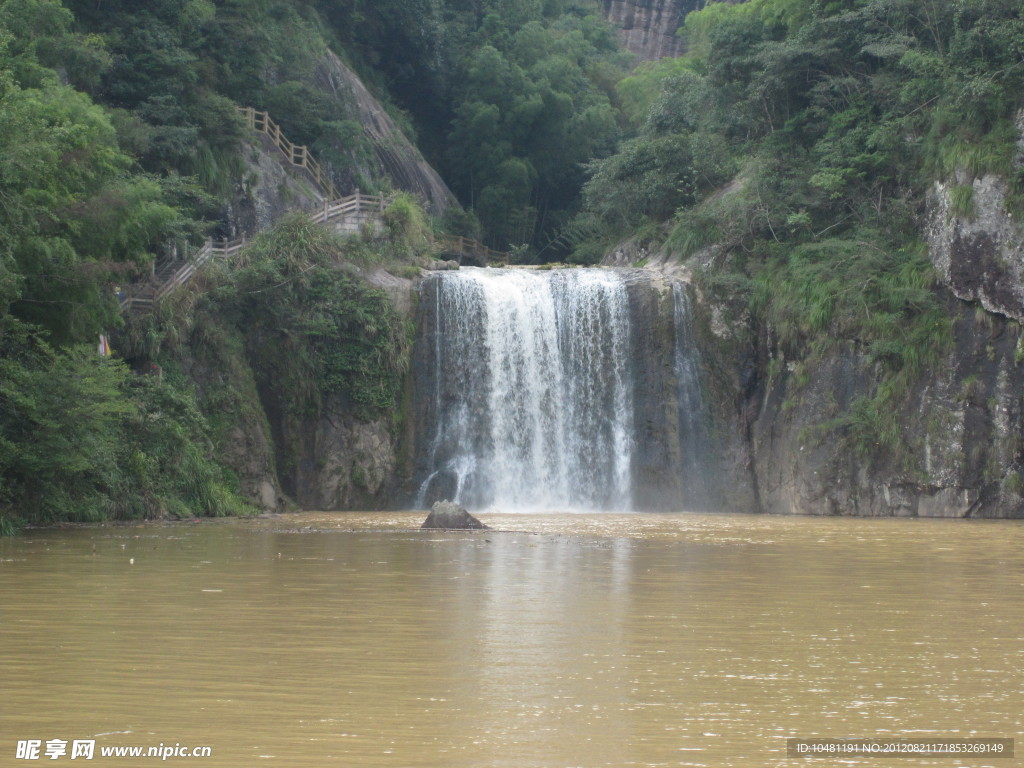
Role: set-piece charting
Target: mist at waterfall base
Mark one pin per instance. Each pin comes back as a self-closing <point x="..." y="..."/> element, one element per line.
<point x="542" y="390"/>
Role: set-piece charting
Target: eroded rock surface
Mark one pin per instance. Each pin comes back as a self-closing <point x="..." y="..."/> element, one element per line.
<point x="448" y="516"/>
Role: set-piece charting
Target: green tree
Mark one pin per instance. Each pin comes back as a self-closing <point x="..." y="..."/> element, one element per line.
<point x="81" y="438"/>
<point x="312" y="329"/>
<point x="59" y="417"/>
<point x="75" y="216"/>
<point x="532" y="112"/>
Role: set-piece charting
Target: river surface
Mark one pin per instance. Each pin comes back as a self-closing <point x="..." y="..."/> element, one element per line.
<point x="557" y="641"/>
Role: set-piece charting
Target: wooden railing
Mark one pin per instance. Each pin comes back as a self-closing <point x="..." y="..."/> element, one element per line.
<point x="373" y="205"/>
<point x="465" y="246"/>
<point x="295" y="154"/>
<point x="174" y="274"/>
<point x="184" y="273"/>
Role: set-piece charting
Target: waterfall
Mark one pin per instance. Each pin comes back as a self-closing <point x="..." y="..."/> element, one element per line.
<point x="695" y="472"/>
<point x="561" y="389"/>
<point x="532" y="402"/>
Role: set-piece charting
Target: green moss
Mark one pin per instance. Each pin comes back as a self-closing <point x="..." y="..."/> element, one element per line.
<point x="961" y="201"/>
<point x="970" y="388"/>
<point x="855" y="290"/>
<point x="1014" y="484"/>
<point x="407" y="271"/>
<point x="314" y="329"/>
<point x="977" y="153"/>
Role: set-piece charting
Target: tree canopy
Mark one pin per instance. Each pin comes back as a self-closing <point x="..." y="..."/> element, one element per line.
<point x="793" y="149"/>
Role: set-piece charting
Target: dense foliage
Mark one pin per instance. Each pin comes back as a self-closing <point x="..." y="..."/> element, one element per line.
<point x="833" y="116"/>
<point x="81" y="438"/>
<point x="510" y="99"/>
<point x="313" y="329"/>
<point x="118" y="136"/>
<point x="792" y="150"/>
<point x="75" y="214"/>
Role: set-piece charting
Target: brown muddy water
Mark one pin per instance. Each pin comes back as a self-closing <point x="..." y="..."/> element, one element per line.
<point x="559" y="641"/>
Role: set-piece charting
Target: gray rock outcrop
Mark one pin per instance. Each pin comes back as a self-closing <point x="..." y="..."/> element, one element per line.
<point x="960" y="451"/>
<point x="648" y="27"/>
<point x="229" y="391"/>
<point x="776" y="421"/>
<point x="448" y="516"/>
<point x="980" y="254"/>
<point x="270" y="189"/>
<point x="332" y="460"/>
<point x="395" y="156"/>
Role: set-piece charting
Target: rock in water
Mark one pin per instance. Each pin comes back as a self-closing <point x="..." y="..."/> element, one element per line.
<point x="449" y="516"/>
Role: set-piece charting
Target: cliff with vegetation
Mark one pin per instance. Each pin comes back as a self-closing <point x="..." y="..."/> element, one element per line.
<point x="840" y="184"/>
<point x="274" y="377"/>
<point x="648" y="29"/>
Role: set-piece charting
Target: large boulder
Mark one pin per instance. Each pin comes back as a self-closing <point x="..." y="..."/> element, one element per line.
<point x="449" y="516"/>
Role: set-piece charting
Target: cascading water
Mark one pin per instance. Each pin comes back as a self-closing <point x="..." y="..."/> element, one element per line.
<point x="560" y="389"/>
<point x="532" y="393"/>
<point x="695" y="472"/>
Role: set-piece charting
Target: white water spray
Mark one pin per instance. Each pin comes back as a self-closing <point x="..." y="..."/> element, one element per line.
<point x="532" y="404"/>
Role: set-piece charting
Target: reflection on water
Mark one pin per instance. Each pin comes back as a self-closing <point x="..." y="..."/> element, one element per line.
<point x="582" y="640"/>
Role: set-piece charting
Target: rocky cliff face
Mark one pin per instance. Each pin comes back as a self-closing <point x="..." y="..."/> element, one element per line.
<point x="395" y="156"/>
<point x="975" y="241"/>
<point x="340" y="462"/>
<point x="781" y="451"/>
<point x="332" y="460"/>
<point x="225" y="388"/>
<point x="778" y="445"/>
<point x="978" y="251"/>
<point x="768" y="440"/>
<point x="270" y="189"/>
<point x="648" y="27"/>
<point x="960" y="427"/>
